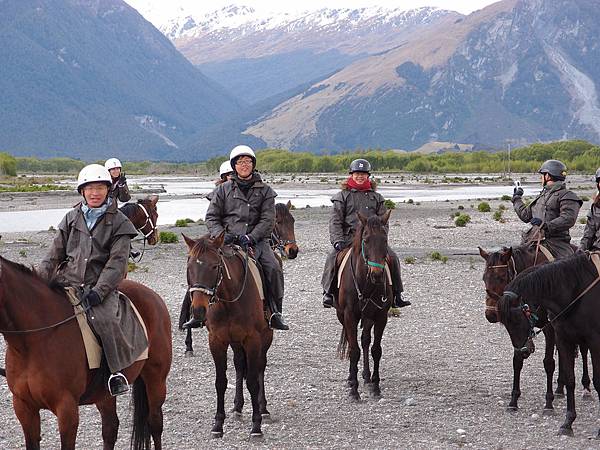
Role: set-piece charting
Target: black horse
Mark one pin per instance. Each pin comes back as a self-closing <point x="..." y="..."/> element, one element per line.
<point x="568" y="289"/>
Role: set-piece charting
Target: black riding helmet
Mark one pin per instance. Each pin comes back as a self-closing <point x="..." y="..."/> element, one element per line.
<point x="555" y="168"/>
<point x="360" y="165"/>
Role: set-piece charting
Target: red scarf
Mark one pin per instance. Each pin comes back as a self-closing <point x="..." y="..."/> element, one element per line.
<point x="366" y="186"/>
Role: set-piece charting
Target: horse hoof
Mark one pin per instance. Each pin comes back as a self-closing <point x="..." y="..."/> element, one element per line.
<point x="512" y="409"/>
<point x="189" y="353"/>
<point x="586" y="395"/>
<point x="256" y="436"/>
<point x="355" y="397"/>
<point x="559" y="395"/>
<point x="236" y="414"/>
<point x="548" y="412"/>
<point x="565" y="432"/>
<point x="266" y="418"/>
<point x="216" y="434"/>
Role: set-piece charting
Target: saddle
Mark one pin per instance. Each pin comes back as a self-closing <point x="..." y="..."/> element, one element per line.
<point x="93" y="349"/>
<point x="534" y="237"/>
<point x="254" y="268"/>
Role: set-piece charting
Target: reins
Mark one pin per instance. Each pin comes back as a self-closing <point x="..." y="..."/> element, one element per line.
<point x="49" y="327"/>
<point x="361" y="296"/>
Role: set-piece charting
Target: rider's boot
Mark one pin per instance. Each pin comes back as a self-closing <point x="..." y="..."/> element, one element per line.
<point x="399" y="301"/>
<point x="118" y="384"/>
<point x="276" y="321"/>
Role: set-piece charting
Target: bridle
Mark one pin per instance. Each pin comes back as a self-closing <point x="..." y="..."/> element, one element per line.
<point x="362" y="300"/>
<point x="147" y="223"/>
<point x="222" y="269"/>
<point x="532" y="319"/>
<point x="511" y="273"/>
<point x="278" y="243"/>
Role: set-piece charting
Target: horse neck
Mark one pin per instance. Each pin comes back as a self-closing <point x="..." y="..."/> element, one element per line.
<point x="230" y="289"/>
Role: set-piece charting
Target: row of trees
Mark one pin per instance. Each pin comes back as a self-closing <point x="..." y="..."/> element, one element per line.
<point x="580" y="156"/>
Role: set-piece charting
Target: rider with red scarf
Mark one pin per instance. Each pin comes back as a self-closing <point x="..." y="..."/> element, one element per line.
<point x="357" y="195"/>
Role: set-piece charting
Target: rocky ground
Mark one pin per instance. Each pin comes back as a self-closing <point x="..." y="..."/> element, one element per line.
<point x="446" y="371"/>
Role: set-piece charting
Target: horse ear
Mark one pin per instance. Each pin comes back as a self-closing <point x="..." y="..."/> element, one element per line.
<point x="485" y="255"/>
<point x="154" y="199"/>
<point x="362" y="218"/>
<point x="289" y="205"/>
<point x="218" y="241"/>
<point x="507" y="254"/>
<point x="189" y="241"/>
<point x="386" y="216"/>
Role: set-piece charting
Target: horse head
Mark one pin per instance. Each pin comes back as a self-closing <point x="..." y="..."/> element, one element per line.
<point x="204" y="273"/>
<point x="371" y="241"/>
<point x="519" y="321"/>
<point x="283" y="237"/>
<point x="497" y="274"/>
<point x="148" y="228"/>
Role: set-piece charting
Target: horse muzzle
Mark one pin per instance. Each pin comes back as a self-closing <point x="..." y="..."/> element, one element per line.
<point x="491" y="313"/>
<point x="527" y="349"/>
<point x="291" y="251"/>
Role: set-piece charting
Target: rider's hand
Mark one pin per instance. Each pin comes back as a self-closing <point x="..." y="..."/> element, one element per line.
<point x="246" y="241"/>
<point x="536" y="221"/>
<point x="339" y="246"/>
<point x="122" y="180"/>
<point x="92" y="298"/>
<point x="517" y="193"/>
<point x="229" y="238"/>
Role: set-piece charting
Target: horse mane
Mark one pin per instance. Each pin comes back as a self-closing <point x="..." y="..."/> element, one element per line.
<point x="537" y="282"/>
<point x="201" y="246"/>
<point x="281" y="210"/>
<point x="23" y="269"/>
<point x="373" y="223"/>
<point x="128" y="208"/>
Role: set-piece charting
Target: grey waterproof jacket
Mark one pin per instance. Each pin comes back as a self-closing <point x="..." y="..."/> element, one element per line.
<point x="591" y="234"/>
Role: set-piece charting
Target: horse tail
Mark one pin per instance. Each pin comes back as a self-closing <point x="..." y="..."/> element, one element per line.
<point x="342" y="349"/>
<point x="3" y="372"/>
<point x="140" y="435"/>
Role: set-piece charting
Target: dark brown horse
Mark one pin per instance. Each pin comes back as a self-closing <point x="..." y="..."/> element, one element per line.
<point x="501" y="267"/>
<point x="143" y="216"/>
<point x="46" y="364"/>
<point x="283" y="238"/>
<point x="365" y="296"/>
<point x="569" y="289"/>
<point x="283" y="241"/>
<point x="225" y="297"/>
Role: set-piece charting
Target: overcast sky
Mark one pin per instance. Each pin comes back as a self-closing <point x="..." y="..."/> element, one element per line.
<point x="159" y="9"/>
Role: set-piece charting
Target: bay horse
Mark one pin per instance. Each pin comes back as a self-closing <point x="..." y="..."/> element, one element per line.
<point x="283" y="243"/>
<point x="501" y="267"/>
<point x="46" y="364"/>
<point x="569" y="289"/>
<point x="226" y="299"/>
<point x="365" y="296"/>
<point x="143" y="215"/>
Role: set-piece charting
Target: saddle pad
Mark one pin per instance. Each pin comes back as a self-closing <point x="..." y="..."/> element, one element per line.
<point x="549" y="256"/>
<point x="93" y="350"/>
<point x="255" y="272"/>
<point x="345" y="261"/>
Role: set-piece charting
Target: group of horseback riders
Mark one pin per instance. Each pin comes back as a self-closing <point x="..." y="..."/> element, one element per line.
<point x="92" y="243"/>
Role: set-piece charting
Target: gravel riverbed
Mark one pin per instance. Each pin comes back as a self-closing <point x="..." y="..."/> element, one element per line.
<point x="446" y="372"/>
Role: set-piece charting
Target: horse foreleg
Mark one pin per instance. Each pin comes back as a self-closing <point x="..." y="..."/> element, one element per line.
<point x="350" y="328"/>
<point x="365" y="340"/>
<point x="376" y="353"/>
<point x="549" y="366"/>
<point x="516" y="389"/>
<point x="189" y="349"/>
<point x="29" y="418"/>
<point x="239" y="361"/>
<point x="219" y="354"/>
<point x="566" y="364"/>
<point x="67" y="413"/>
<point x="253" y="367"/>
<point x="596" y="374"/>
<point x="110" y="421"/>
<point x="585" y="377"/>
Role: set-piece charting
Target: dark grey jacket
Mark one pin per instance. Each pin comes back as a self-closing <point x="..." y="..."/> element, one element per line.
<point x="346" y="203"/>
<point x="591" y="234"/>
<point x="231" y="211"/>
<point x="556" y="206"/>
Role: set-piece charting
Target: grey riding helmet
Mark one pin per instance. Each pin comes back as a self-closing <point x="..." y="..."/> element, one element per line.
<point x="555" y="168"/>
<point x="360" y="165"/>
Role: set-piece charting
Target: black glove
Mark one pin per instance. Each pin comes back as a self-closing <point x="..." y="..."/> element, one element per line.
<point x="536" y="221"/>
<point x="92" y="298"/>
<point x="517" y="193"/>
<point x="122" y="180"/>
<point x="229" y="238"/>
<point x="246" y="241"/>
<point x="339" y="246"/>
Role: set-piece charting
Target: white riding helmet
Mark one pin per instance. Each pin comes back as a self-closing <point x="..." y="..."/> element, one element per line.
<point x="241" y="150"/>
<point x="93" y="173"/>
<point x="225" y="168"/>
<point x="112" y="163"/>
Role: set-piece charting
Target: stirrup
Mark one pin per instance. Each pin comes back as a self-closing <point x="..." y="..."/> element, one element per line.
<point x="279" y="321"/>
<point x="117" y="384"/>
<point x="192" y="323"/>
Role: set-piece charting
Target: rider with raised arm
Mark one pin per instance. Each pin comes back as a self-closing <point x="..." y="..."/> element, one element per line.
<point x="554" y="211"/>
<point x="90" y="252"/>
<point x="244" y="208"/>
<point x="118" y="187"/>
<point x="591" y="236"/>
<point x="357" y="195"/>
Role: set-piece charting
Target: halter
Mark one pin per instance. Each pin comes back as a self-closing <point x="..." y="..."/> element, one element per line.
<point x="278" y="243"/>
<point x="212" y="291"/>
<point x="532" y="319"/>
<point x="141" y="230"/>
<point x="369" y="263"/>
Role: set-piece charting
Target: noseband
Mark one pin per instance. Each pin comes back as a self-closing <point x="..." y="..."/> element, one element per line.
<point x="532" y="319"/>
<point x="146" y="223"/>
<point x="278" y="243"/>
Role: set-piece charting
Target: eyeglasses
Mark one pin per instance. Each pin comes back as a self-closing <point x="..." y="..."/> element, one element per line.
<point x="243" y="162"/>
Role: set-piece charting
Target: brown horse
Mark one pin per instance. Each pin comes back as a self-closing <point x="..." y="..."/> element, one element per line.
<point x="283" y="238"/>
<point x="143" y="216"/>
<point x="501" y="268"/>
<point x="225" y="297"/>
<point x="365" y="296"/>
<point x="283" y="241"/>
<point x="569" y="289"/>
<point x="46" y="364"/>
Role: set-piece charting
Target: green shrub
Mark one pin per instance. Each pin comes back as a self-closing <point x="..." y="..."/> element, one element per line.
<point x="505" y="198"/>
<point x="462" y="220"/>
<point x="583" y="220"/>
<point x="437" y="256"/>
<point x="23" y="253"/>
<point x="167" y="237"/>
<point x="498" y="215"/>
<point x="461" y="207"/>
<point x="389" y="204"/>
<point x="484" y="207"/>
<point x="131" y="266"/>
<point x="584" y="198"/>
<point x="502" y="207"/>
<point x="410" y="260"/>
<point x="181" y="223"/>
